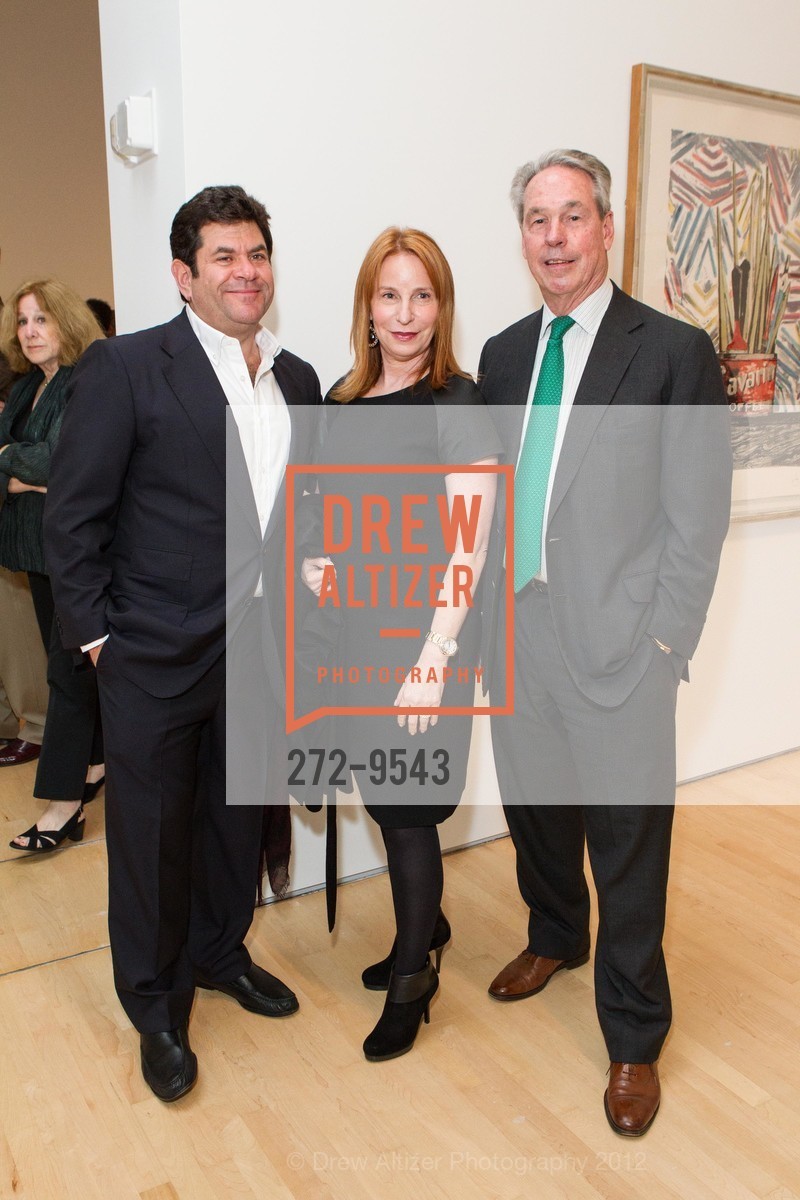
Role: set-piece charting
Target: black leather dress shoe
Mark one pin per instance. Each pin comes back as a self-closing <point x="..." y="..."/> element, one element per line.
<point x="257" y="991"/>
<point x="18" y="751"/>
<point x="169" y="1065"/>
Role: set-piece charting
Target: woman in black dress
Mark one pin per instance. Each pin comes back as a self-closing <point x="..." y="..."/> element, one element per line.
<point x="407" y="405"/>
<point x="44" y="329"/>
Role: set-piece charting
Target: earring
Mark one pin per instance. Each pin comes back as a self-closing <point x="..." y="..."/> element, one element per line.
<point x="372" y="340"/>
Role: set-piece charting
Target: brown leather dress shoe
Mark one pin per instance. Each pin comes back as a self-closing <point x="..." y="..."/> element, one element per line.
<point x="632" y="1097"/>
<point x="528" y="973"/>
<point x="17" y="751"/>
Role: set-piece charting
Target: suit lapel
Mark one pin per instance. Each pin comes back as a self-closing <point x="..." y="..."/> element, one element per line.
<point x="197" y="389"/>
<point x="192" y="378"/>
<point x="515" y="385"/>
<point x="301" y="413"/>
<point x="296" y="400"/>
<point x="614" y="347"/>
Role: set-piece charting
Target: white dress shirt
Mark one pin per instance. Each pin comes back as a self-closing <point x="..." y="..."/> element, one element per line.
<point x="577" y="342"/>
<point x="259" y="410"/>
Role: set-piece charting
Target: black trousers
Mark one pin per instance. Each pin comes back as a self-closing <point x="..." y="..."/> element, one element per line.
<point x="573" y="774"/>
<point x="182" y="863"/>
<point x="73" y="737"/>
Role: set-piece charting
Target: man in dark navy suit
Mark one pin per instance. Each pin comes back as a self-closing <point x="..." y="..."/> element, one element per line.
<point x="145" y="500"/>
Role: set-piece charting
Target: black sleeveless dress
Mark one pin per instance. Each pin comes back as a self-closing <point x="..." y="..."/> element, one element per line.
<point x="403" y="780"/>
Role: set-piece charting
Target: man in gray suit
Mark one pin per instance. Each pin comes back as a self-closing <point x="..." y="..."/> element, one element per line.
<point x="616" y="419"/>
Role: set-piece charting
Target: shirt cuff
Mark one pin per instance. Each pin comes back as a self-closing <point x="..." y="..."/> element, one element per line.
<point x="91" y="645"/>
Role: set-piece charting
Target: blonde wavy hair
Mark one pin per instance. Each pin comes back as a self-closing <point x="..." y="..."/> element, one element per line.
<point x="76" y="323"/>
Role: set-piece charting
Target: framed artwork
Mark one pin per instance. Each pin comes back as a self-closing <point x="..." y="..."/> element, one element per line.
<point x="712" y="236"/>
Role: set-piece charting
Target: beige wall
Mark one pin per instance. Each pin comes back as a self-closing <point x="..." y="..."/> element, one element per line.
<point x="54" y="191"/>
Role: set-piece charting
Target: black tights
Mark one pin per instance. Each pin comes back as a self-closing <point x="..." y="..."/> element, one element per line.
<point x="417" y="878"/>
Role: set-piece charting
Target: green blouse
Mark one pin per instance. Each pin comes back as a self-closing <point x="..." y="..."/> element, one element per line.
<point x="27" y="458"/>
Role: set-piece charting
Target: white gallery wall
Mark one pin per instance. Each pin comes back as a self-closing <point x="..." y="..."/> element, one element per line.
<point x="347" y="117"/>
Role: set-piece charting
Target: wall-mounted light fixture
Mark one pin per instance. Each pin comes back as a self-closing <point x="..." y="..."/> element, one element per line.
<point x="133" y="129"/>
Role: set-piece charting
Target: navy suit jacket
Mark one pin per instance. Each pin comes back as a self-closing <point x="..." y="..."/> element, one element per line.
<point x="146" y="506"/>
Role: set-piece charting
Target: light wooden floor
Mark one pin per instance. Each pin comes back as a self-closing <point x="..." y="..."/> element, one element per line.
<point x="494" y="1101"/>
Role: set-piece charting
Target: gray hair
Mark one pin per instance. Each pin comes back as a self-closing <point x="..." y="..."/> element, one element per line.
<point x="579" y="160"/>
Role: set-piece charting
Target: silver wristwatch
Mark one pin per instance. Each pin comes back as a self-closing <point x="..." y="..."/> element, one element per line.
<point x="447" y="645"/>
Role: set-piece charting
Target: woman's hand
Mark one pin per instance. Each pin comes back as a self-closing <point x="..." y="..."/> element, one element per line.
<point x="312" y="571"/>
<point x="15" y="486"/>
<point x="422" y="695"/>
<point x="432" y="661"/>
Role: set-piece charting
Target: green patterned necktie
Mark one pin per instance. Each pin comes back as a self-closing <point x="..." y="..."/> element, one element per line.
<point x="533" y="471"/>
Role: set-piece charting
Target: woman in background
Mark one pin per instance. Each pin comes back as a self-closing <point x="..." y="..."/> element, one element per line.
<point x="44" y="329"/>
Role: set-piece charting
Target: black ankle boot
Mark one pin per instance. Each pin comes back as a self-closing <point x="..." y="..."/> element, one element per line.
<point x="407" y="1001"/>
<point x="376" y="977"/>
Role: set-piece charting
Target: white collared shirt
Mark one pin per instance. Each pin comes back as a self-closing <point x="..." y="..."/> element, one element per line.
<point x="578" y="342"/>
<point x="259" y="410"/>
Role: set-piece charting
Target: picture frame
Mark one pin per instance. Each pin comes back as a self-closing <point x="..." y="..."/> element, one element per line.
<point x="712" y="236"/>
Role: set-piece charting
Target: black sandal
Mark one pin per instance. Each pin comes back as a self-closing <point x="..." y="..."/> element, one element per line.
<point x="40" y="841"/>
<point x="90" y="790"/>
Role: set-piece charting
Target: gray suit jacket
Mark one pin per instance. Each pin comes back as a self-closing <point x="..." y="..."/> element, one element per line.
<point x="641" y="497"/>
